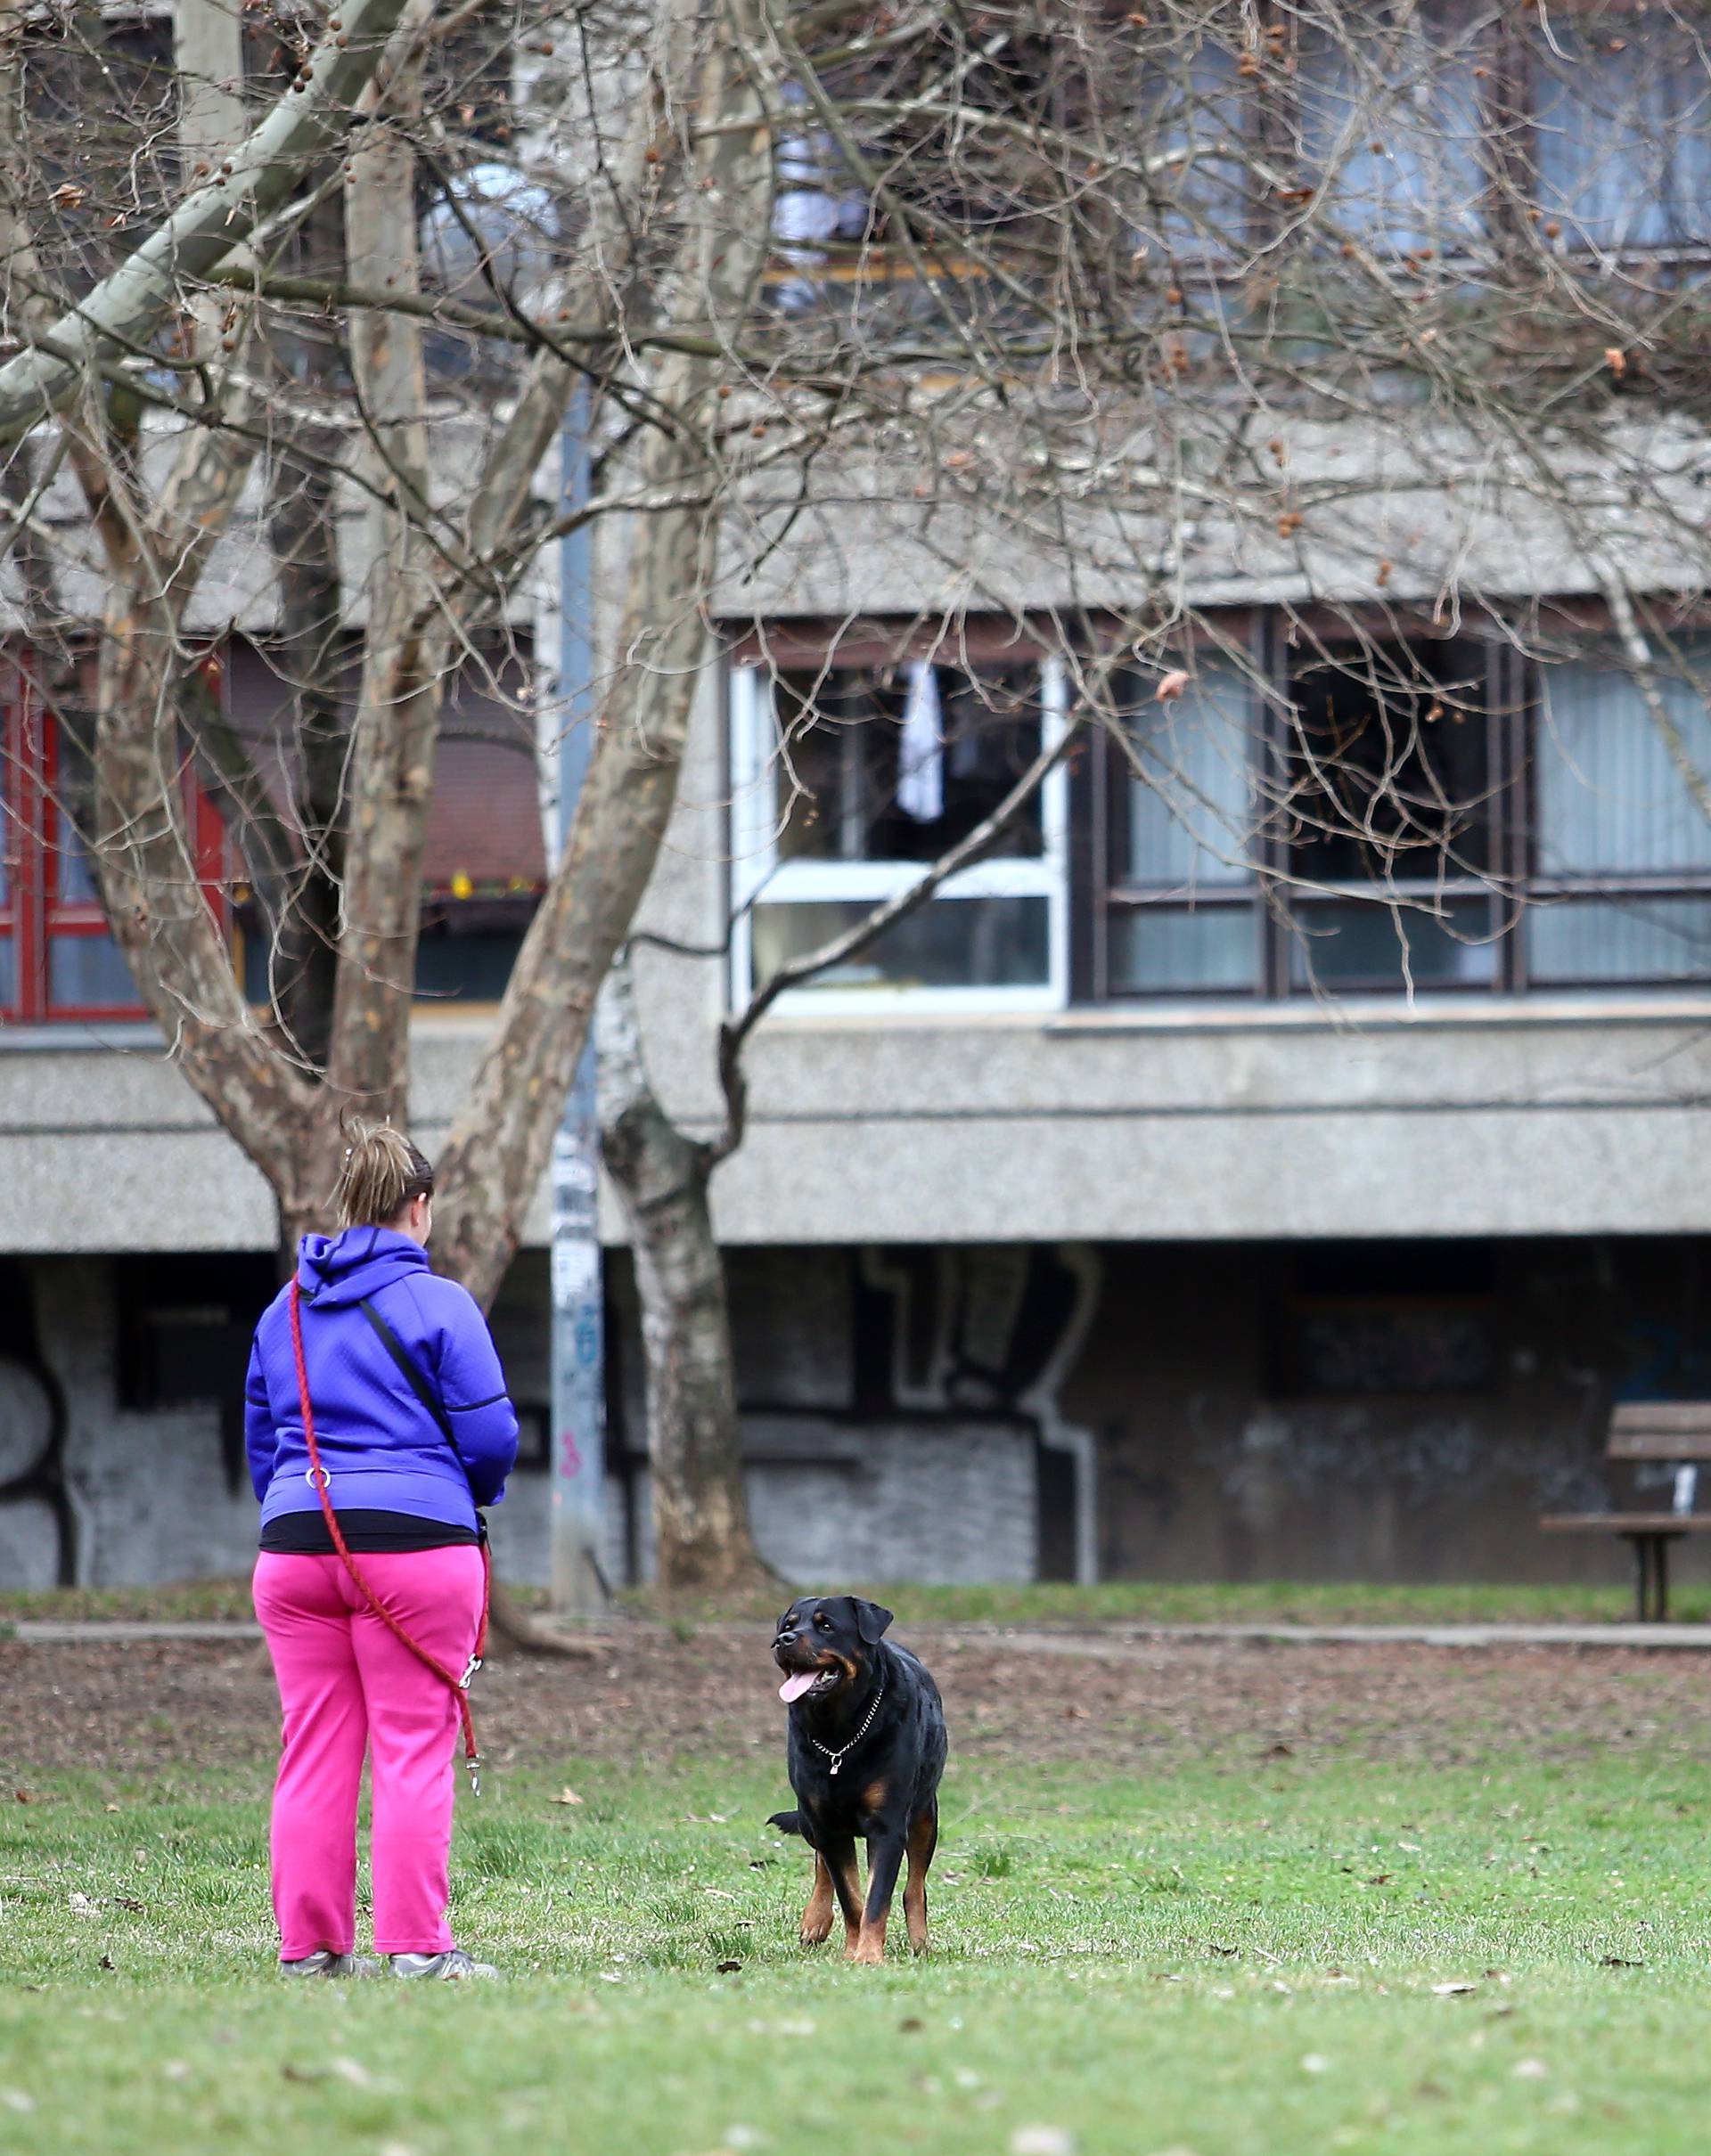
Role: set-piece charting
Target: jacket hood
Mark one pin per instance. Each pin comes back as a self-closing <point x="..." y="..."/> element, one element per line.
<point x="344" y="1270"/>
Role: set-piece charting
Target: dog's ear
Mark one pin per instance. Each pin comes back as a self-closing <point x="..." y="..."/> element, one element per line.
<point x="871" y="1621"/>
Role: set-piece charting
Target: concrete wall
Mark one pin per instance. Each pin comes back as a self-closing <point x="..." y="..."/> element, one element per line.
<point x="122" y="1464"/>
<point x="1380" y="1412"/>
<point x="1384" y="1412"/>
<point x="1532" y="1119"/>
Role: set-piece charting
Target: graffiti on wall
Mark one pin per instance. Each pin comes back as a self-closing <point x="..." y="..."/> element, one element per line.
<point x="955" y="1333"/>
<point x="38" y="1543"/>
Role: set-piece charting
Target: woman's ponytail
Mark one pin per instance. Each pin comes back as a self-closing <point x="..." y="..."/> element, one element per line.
<point x="382" y="1172"/>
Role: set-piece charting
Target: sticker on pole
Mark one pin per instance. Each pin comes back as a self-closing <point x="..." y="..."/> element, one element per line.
<point x="575" y="1271"/>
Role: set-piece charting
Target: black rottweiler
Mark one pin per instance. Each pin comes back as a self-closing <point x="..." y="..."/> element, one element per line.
<point x="867" y="1747"/>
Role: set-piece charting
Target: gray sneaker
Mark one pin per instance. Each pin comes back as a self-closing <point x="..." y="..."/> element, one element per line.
<point x="450" y="1966"/>
<point x="323" y="1962"/>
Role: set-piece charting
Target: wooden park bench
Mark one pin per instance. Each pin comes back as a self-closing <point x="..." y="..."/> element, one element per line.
<point x="1677" y="1431"/>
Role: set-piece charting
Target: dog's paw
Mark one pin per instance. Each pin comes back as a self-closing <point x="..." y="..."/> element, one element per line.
<point x="815" y="1931"/>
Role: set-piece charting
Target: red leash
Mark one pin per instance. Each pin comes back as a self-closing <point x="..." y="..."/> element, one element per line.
<point x="459" y="1687"/>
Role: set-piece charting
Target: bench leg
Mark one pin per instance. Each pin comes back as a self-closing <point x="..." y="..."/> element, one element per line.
<point x="1648" y="1550"/>
<point x="1651" y="1577"/>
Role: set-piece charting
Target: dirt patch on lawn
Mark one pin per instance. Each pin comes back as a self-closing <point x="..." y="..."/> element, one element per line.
<point x="210" y="1707"/>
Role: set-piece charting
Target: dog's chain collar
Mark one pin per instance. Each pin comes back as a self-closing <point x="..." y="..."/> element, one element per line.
<point x="838" y="1757"/>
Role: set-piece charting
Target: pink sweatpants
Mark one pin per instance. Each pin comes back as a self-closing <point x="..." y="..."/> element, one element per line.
<point x="347" y="1685"/>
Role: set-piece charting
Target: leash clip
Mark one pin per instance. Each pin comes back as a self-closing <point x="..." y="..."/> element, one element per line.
<point x="468" y="1677"/>
<point x="473" y="1762"/>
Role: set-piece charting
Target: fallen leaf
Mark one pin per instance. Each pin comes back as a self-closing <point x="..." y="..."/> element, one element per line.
<point x="80" y="1905"/>
<point x="1171" y="686"/>
<point x="106" y="1962"/>
<point x="1615" y="1961"/>
<point x="1532" y="2069"/>
<point x="292" y="2071"/>
<point x="127" y="1901"/>
<point x="17" y="2099"/>
<point x="564" y="1796"/>
<point x="352" y="2070"/>
<point x="911" y="2025"/>
<point x="1450" y="1991"/>
<point x="1316" y="2063"/>
<point x="175" y="2070"/>
<point x="1616" y="360"/>
<point x="23" y="1796"/>
<point x="727" y="1968"/>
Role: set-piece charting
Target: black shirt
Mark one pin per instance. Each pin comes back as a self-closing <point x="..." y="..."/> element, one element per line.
<point x="305" y="1534"/>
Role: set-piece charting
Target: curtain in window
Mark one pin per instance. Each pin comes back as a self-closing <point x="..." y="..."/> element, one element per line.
<point x="1610" y="799"/>
<point x="1612" y="810"/>
<point x="1190" y="815"/>
<point x="1189" y="830"/>
<point x="1622" y="129"/>
<point x="1390" y="117"/>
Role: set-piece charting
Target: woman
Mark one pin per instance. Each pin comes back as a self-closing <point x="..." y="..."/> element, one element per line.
<point x="408" y="1408"/>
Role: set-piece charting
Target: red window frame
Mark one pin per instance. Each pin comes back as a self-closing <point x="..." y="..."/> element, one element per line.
<point x="33" y="916"/>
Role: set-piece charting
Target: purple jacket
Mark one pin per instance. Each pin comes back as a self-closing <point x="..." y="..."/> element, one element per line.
<point x="380" y="1447"/>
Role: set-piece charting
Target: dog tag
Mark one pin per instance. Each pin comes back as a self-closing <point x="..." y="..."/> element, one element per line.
<point x="836" y="1764"/>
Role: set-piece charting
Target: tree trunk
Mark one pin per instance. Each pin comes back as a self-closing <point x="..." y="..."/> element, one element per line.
<point x="497" y="1152"/>
<point x="702" y="1541"/>
<point x="312" y="647"/>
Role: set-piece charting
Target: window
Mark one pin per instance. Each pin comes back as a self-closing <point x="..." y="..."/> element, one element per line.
<point x="850" y="778"/>
<point x="1625" y="851"/>
<point x="1622" y="126"/>
<point x="483" y="864"/>
<point x="1359" y="818"/>
<point x="57" y="957"/>
<point x="1185" y="914"/>
<point x="1198" y="185"/>
<point x="1390" y="121"/>
<point x="1386" y="775"/>
<point x="1359" y="785"/>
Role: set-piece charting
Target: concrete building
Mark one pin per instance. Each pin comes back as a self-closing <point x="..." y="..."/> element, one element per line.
<point x="1030" y="1274"/>
<point x="1157" y="1203"/>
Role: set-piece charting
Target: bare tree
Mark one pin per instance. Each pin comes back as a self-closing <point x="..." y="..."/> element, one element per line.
<point x="1122" y="323"/>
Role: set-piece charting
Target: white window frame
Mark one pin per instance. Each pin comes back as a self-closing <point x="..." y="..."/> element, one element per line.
<point x="757" y="874"/>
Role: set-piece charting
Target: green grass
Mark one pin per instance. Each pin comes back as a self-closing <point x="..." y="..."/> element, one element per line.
<point x="1278" y="1602"/>
<point x="1221" y="1959"/>
<point x="1117" y="1601"/>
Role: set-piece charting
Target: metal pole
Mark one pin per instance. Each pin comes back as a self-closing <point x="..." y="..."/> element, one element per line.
<point x="579" y="1386"/>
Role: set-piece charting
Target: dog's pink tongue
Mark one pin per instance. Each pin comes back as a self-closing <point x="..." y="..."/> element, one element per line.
<point x="793" y="1688"/>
